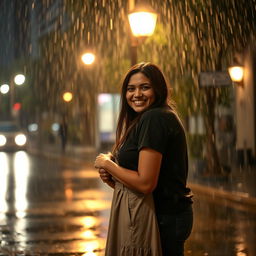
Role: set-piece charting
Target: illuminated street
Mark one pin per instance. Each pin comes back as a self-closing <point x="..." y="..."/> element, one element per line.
<point x="58" y="206"/>
<point x="51" y="207"/>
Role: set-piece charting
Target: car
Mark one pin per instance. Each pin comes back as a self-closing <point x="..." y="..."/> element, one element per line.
<point x="12" y="138"/>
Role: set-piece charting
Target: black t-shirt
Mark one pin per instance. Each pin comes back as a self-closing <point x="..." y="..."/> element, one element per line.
<point x="160" y="129"/>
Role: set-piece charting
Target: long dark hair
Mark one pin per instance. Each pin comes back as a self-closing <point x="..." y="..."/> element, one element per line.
<point x="127" y="116"/>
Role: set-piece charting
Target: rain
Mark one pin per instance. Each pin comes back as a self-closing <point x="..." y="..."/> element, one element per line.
<point x="52" y="201"/>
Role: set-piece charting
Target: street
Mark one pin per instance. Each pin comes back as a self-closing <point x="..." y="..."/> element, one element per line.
<point x="56" y="206"/>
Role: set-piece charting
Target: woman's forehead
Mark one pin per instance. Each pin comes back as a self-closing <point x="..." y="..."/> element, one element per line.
<point x="138" y="78"/>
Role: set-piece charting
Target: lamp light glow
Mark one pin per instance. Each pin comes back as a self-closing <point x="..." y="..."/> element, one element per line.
<point x="142" y="22"/>
<point x="88" y="58"/>
<point x="67" y="96"/>
<point x="4" y="88"/>
<point x="236" y="73"/>
<point x="19" y="79"/>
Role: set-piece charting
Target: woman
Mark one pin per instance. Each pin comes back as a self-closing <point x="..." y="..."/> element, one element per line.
<point x="149" y="171"/>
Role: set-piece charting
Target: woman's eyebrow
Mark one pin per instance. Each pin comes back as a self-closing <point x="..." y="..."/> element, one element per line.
<point x="146" y="83"/>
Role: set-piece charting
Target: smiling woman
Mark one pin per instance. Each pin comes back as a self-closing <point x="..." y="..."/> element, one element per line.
<point x="148" y="170"/>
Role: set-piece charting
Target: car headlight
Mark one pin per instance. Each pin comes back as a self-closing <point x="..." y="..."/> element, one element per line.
<point x="20" y="139"/>
<point x="2" y="140"/>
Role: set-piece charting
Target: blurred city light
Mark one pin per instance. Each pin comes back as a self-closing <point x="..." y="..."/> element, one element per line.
<point x="19" y="79"/>
<point x="67" y="96"/>
<point x="4" y="88"/>
<point x="21" y="169"/>
<point x="88" y="58"/>
<point x="55" y="127"/>
<point x="20" y="139"/>
<point x="17" y="106"/>
<point x="32" y="127"/>
<point x="4" y="183"/>
<point x="2" y="140"/>
<point x="142" y="22"/>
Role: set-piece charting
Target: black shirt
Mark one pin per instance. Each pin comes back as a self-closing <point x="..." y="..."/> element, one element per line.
<point x="160" y="129"/>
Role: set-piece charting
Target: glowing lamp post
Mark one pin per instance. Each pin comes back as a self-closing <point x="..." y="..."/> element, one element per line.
<point x="67" y="96"/>
<point x="237" y="74"/>
<point x="4" y="88"/>
<point x="88" y="58"/>
<point x="19" y="79"/>
<point x="142" y="21"/>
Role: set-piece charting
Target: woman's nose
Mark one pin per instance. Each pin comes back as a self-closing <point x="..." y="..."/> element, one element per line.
<point x="137" y="93"/>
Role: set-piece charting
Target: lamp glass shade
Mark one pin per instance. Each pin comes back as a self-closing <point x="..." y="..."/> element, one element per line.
<point x="142" y="23"/>
<point x="236" y="73"/>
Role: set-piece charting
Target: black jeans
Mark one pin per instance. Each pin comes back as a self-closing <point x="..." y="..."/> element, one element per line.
<point x="174" y="230"/>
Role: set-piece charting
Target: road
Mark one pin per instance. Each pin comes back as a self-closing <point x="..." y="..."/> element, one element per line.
<point x="58" y="206"/>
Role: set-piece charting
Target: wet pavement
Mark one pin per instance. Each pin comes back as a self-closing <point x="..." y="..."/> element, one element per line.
<point x="51" y="207"/>
<point x="222" y="228"/>
<point x="55" y="204"/>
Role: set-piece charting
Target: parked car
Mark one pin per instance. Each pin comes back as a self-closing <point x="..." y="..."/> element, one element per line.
<point x="12" y="137"/>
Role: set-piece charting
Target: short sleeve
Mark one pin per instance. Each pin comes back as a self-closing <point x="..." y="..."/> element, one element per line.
<point x="152" y="131"/>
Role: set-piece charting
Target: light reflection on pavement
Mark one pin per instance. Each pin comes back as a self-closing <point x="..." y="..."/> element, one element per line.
<point x="51" y="208"/>
<point x="61" y="208"/>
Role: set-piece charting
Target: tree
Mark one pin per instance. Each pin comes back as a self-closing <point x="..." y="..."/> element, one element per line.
<point x="203" y="36"/>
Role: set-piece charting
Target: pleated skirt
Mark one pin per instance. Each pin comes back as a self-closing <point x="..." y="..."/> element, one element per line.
<point x="133" y="228"/>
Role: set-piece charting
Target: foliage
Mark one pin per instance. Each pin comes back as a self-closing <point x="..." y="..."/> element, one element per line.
<point x="196" y="144"/>
<point x="191" y="36"/>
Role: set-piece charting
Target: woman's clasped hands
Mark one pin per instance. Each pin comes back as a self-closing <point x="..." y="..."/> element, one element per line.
<point x="99" y="164"/>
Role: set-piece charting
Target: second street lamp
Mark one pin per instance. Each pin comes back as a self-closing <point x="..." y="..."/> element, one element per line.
<point x="88" y="58"/>
<point x="67" y="96"/>
<point x="236" y="73"/>
<point x="142" y="21"/>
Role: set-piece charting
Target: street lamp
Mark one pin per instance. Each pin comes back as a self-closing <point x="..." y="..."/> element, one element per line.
<point x="88" y="58"/>
<point x="4" y="88"/>
<point x="67" y="96"/>
<point x="236" y="73"/>
<point x="142" y="22"/>
<point x="19" y="79"/>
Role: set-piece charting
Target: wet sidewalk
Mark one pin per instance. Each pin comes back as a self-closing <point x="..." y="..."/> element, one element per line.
<point x="239" y="186"/>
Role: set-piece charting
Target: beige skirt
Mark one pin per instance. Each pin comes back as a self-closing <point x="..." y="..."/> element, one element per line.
<point x="133" y="228"/>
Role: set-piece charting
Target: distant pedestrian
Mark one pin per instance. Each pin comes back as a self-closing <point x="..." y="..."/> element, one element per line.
<point x="151" y="213"/>
<point x="63" y="133"/>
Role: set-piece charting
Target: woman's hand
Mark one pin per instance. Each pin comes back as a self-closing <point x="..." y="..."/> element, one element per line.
<point x="106" y="178"/>
<point x="101" y="159"/>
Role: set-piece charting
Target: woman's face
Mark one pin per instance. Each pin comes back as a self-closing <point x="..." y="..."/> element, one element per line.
<point x="139" y="93"/>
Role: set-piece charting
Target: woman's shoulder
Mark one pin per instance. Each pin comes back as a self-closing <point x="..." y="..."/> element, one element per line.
<point x="160" y="112"/>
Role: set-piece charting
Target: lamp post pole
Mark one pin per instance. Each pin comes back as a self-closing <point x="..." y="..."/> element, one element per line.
<point x="142" y="22"/>
<point x="133" y="40"/>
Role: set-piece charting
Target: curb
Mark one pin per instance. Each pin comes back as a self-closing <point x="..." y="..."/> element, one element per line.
<point x="234" y="196"/>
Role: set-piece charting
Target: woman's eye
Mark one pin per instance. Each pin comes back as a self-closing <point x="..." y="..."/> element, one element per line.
<point x="146" y="87"/>
<point x="130" y="89"/>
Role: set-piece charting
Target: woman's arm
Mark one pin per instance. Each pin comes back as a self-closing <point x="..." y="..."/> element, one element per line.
<point x="144" y="180"/>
